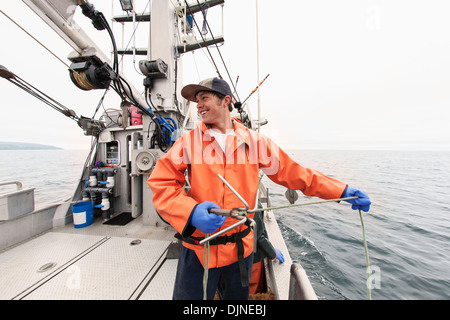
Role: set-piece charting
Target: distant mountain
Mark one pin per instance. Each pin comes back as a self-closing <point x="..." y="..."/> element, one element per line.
<point x="25" y="146"/>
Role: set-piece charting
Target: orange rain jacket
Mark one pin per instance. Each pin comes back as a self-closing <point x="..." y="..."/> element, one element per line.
<point x="247" y="152"/>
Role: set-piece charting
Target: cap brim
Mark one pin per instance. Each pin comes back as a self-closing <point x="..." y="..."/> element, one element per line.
<point x="190" y="91"/>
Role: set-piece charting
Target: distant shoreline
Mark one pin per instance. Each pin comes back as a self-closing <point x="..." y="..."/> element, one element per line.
<point x="26" y="146"/>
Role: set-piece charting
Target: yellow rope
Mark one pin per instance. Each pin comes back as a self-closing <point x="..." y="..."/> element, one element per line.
<point x="206" y="246"/>
<point x="369" y="294"/>
<point x="206" y="268"/>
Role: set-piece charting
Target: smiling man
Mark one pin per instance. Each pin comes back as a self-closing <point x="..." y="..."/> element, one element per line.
<point x="212" y="104"/>
<point x="222" y="145"/>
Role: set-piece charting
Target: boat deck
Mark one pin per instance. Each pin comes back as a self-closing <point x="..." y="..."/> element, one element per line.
<point x="101" y="262"/>
<point x="96" y="262"/>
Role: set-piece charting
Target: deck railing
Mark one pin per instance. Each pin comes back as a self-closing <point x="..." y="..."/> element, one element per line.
<point x="300" y="287"/>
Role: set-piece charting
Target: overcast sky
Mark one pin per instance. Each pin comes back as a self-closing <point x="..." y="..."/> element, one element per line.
<point x="343" y="74"/>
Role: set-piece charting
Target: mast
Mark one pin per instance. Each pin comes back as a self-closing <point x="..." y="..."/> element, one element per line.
<point x="131" y="147"/>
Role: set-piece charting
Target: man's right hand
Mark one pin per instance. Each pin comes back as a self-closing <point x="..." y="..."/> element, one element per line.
<point x="205" y="221"/>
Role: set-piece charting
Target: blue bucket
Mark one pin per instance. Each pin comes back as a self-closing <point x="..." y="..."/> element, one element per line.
<point x="83" y="214"/>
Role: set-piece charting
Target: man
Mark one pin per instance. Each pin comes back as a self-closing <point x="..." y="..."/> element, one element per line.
<point x="222" y="145"/>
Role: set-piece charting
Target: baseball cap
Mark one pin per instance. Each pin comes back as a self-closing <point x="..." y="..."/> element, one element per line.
<point x="212" y="84"/>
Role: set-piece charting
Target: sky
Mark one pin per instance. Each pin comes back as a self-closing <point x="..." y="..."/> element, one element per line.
<point x="350" y="74"/>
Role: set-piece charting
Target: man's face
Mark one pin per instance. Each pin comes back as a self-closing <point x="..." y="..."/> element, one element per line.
<point x="210" y="107"/>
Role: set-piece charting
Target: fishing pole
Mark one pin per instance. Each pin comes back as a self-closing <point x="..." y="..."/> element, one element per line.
<point x="254" y="90"/>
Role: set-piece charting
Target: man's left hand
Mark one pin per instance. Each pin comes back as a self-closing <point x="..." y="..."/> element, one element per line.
<point x="362" y="203"/>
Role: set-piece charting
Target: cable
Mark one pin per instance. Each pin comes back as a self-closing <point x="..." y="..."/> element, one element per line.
<point x="36" y="40"/>
<point x="158" y="132"/>
<point x="100" y="103"/>
<point x="134" y="32"/>
<point x="163" y="129"/>
<point x="218" y="50"/>
<point x="19" y="82"/>
<point x="198" y="28"/>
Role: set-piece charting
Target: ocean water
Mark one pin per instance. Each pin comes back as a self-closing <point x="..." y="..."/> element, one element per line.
<point x="407" y="228"/>
<point x="54" y="173"/>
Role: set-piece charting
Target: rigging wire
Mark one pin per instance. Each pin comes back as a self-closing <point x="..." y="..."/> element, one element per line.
<point x="48" y="100"/>
<point x="256" y="89"/>
<point x="180" y="42"/>
<point x="196" y="66"/>
<point x="218" y="50"/>
<point x="91" y="155"/>
<point x="19" y="82"/>
<point x="51" y="52"/>
<point x="100" y="103"/>
<point x="133" y="34"/>
<point x="203" y="39"/>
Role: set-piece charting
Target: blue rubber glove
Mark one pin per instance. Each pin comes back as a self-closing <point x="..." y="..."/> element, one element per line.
<point x="205" y="221"/>
<point x="362" y="203"/>
<point x="280" y="256"/>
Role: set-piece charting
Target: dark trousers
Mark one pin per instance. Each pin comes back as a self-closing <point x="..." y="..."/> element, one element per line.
<point x="226" y="280"/>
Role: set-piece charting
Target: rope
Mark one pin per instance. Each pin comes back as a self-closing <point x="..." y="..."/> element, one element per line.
<point x="369" y="294"/>
<point x="206" y="248"/>
<point x="206" y="268"/>
<point x="366" y="250"/>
